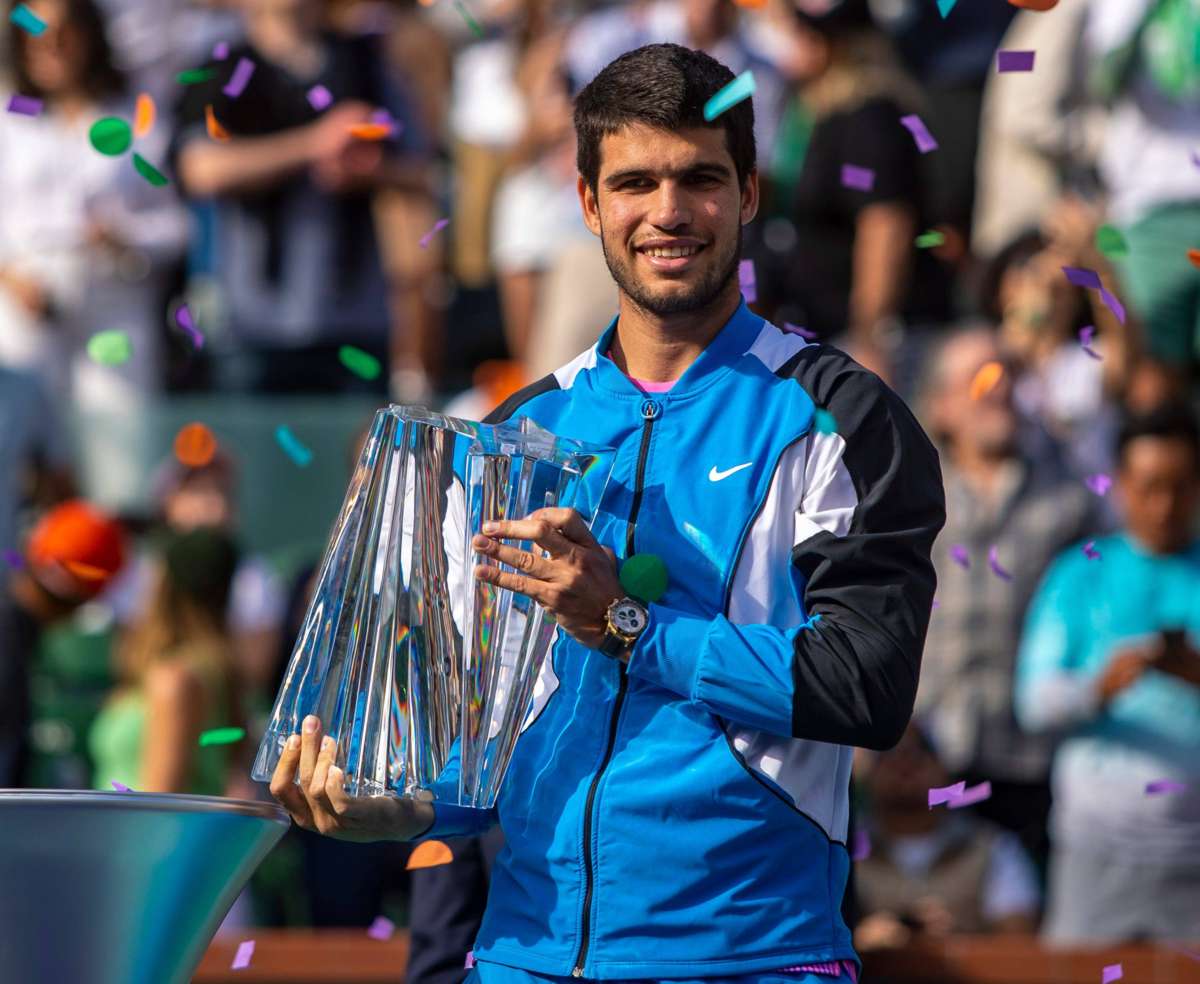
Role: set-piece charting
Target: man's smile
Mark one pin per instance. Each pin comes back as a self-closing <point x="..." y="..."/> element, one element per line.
<point x="670" y="254"/>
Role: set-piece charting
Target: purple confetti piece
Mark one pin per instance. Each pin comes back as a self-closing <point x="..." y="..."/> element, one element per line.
<point x="241" y="959"/>
<point x="969" y="797"/>
<point x="1164" y="786"/>
<point x="24" y="105"/>
<point x="438" y="226"/>
<point x="183" y="318"/>
<point x="916" y="126"/>
<point x="994" y="564"/>
<point x="944" y="794"/>
<point x="958" y="554"/>
<point x="936" y="605"/>
<point x="220" y="51"/>
<point x="120" y="787"/>
<point x="860" y="178"/>
<point x="747" y="282"/>
<point x="1098" y="483"/>
<point x="1087" y="334"/>
<point x="1090" y="551"/>
<point x="1195" y="159"/>
<point x="1014" y="61"/>
<point x="1112" y="972"/>
<point x="1083" y="277"/>
<point x="806" y="334"/>
<point x="469" y="963"/>
<point x="1092" y="352"/>
<point x="861" y="849"/>
<point x="240" y="78"/>
<point x="381" y="929"/>
<point x="319" y="97"/>
<point x="13" y="559"/>
<point x="1115" y="306"/>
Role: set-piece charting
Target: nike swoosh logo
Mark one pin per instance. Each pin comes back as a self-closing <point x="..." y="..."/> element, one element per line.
<point x="717" y="476"/>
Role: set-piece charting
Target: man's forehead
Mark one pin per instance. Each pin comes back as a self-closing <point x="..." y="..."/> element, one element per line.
<point x="639" y="146"/>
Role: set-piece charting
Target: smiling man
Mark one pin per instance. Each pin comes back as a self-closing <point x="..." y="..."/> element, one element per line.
<point x="750" y="603"/>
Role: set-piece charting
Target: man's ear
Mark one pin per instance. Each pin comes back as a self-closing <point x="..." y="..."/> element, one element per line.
<point x="589" y="204"/>
<point x="750" y="197"/>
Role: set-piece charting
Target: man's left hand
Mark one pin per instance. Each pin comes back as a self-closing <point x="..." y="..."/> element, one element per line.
<point x="576" y="580"/>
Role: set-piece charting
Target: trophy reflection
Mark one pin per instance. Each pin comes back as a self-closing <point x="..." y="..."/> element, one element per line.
<point x="419" y="670"/>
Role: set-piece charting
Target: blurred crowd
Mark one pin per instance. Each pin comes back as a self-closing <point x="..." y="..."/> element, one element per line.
<point x="399" y="178"/>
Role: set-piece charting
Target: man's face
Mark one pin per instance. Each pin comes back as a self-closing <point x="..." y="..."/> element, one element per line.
<point x="1158" y="490"/>
<point x="988" y="422"/>
<point x="669" y="214"/>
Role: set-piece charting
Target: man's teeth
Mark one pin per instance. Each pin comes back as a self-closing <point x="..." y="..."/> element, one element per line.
<point x="672" y="252"/>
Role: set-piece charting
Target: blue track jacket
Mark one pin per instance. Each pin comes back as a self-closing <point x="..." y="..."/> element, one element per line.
<point x="687" y="816"/>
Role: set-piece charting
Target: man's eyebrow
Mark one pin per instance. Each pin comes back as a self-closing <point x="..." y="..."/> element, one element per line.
<point x="715" y="167"/>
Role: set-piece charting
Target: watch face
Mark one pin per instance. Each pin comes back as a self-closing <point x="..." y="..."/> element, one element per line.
<point x="629" y="618"/>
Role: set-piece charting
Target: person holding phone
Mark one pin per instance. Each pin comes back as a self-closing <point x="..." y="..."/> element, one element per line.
<point x="1110" y="659"/>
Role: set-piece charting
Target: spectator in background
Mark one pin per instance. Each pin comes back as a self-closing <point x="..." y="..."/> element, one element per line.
<point x="206" y="498"/>
<point x="933" y="872"/>
<point x="1143" y="59"/>
<point x="1110" y="662"/>
<point x="847" y="267"/>
<point x="298" y="260"/>
<point x="1026" y="506"/>
<point x="177" y="677"/>
<point x="85" y="241"/>
<point x="72" y="554"/>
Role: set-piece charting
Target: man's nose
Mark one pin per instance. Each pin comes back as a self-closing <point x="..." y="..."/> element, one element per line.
<point x="670" y="210"/>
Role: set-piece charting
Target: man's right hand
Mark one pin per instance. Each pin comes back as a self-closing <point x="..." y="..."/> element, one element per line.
<point x="1126" y="667"/>
<point x="320" y="802"/>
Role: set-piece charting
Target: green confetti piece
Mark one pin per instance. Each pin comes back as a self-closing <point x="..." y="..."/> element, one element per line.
<point x="359" y="362"/>
<point x="644" y="576"/>
<point x="110" y="348"/>
<point x="1110" y="242"/>
<point x="222" y="736"/>
<point x="472" y="23"/>
<point x="729" y="96"/>
<point x="27" y="20"/>
<point x="824" y="423"/>
<point x="111" y="135"/>
<point x="195" y="75"/>
<point x="149" y="171"/>
<point x="929" y="239"/>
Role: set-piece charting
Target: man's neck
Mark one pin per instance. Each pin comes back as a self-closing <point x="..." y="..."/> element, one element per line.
<point x="660" y="348"/>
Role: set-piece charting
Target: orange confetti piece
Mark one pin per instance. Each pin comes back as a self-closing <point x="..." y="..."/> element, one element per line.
<point x="195" y="445"/>
<point x="215" y="130"/>
<point x="755" y="4"/>
<point x="986" y="379"/>
<point x="429" y="855"/>
<point x="143" y="115"/>
<point x="1034" y="4"/>
<point x="1194" y="257"/>
<point x="86" y="571"/>
<point x="371" y="131"/>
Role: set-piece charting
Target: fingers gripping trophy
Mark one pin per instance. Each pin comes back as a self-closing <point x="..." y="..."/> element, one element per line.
<point x="411" y="677"/>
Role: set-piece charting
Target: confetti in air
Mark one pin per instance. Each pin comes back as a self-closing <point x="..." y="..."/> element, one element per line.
<point x="994" y="564"/>
<point x="824" y="423"/>
<point x="1193" y="256"/>
<point x="183" y="318"/>
<point x="27" y="20"/>
<point x="469" y="963"/>
<point x="728" y="96"/>
<point x="241" y="959"/>
<point x="746" y="281"/>
<point x="924" y="139"/>
<point x="805" y="333"/>
<point x="222" y="736"/>
<point x="240" y="79"/>
<point x="144" y="114"/>
<point x="319" y="97"/>
<point x="986" y="379"/>
<point x="472" y="23"/>
<point x="438" y="226"/>
<point x="1083" y="277"/>
<point x="120" y="787"/>
<point x="958" y="554"/>
<point x="361" y="363"/>
<point x="811" y="621"/>
<point x="195" y="445"/>
<point x="429" y="854"/>
<point x="945" y="6"/>
<point x="220" y="51"/>
<point x="1160" y="786"/>
<point x="1098" y="483"/>
<point x="861" y="849"/>
<point x="1110" y="242"/>
<point x="1014" y="61"/>
<point x="1111" y="973"/>
<point x="930" y="239"/>
<point x="111" y="136"/>
<point x="371" y="131"/>
<point x="381" y="929"/>
<point x="214" y="128"/>
<point x="1090" y="551"/>
<point x="110" y="348"/>
<point x="194" y="76"/>
<point x="1085" y="342"/>
<point x="858" y="178"/>
<point x="969" y="797"/>
<point x="944" y="794"/>
<point x="1038" y="5"/>
<point x="24" y="105"/>
<point x="148" y="171"/>
<point x="301" y="455"/>
<point x="1114" y="305"/>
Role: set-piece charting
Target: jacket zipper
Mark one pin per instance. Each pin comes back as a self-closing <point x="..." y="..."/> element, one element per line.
<point x="650" y="413"/>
